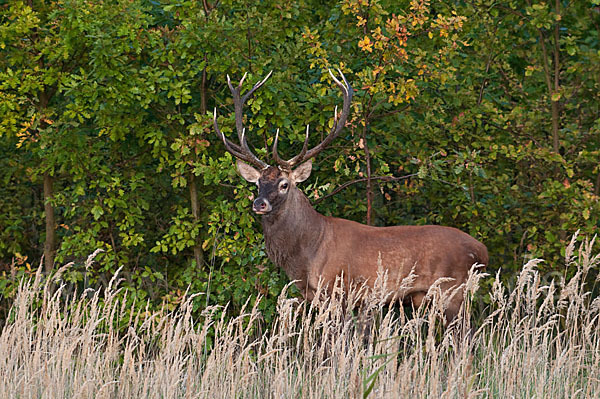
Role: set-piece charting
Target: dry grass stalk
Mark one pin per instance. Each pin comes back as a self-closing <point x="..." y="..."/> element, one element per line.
<point x="537" y="341"/>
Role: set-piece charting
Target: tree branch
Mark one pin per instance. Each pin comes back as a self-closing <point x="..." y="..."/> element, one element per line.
<point x="347" y="184"/>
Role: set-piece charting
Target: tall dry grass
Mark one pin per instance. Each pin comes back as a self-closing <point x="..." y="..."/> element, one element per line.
<point x="537" y="341"/>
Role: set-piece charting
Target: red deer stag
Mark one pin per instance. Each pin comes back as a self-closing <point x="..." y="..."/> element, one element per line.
<point x="310" y="246"/>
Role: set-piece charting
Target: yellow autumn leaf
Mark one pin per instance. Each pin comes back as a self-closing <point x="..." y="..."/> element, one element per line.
<point x="586" y="213"/>
<point x="366" y="44"/>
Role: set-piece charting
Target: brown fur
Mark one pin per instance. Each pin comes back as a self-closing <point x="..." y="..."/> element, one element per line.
<point x="310" y="246"/>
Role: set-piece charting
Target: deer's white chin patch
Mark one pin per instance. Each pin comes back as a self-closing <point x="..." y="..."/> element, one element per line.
<point x="262" y="210"/>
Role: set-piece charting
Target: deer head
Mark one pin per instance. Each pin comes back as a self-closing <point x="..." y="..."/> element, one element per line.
<point x="275" y="182"/>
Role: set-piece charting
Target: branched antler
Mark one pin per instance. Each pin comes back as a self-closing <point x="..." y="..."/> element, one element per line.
<point x="242" y="151"/>
<point x="338" y="125"/>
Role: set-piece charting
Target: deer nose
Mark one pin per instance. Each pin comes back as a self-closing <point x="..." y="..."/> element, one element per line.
<point x="261" y="206"/>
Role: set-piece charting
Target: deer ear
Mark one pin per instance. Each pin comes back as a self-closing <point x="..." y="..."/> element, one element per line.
<point x="302" y="172"/>
<point x="248" y="172"/>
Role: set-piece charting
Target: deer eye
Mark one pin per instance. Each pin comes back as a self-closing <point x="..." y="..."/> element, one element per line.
<point x="284" y="186"/>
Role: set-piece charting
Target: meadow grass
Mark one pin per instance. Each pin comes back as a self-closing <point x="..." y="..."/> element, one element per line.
<point x="536" y="340"/>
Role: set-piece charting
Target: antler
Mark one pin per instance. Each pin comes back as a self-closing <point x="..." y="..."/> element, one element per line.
<point x="338" y="125"/>
<point x="241" y="151"/>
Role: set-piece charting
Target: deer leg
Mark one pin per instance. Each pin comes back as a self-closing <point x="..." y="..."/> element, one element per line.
<point x="309" y="295"/>
<point x="308" y="292"/>
<point x="417" y="299"/>
<point x="462" y="335"/>
<point x="453" y="308"/>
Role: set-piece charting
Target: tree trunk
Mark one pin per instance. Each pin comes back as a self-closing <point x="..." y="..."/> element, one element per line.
<point x="553" y="88"/>
<point x="203" y="90"/>
<point x="369" y="181"/>
<point x="555" y="127"/>
<point x="555" y="105"/>
<point x="198" y="254"/>
<point x="50" y="243"/>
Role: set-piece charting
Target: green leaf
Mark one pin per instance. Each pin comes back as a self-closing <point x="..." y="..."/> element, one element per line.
<point x="97" y="212"/>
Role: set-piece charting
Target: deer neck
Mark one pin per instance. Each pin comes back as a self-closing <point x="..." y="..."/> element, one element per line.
<point x="293" y="234"/>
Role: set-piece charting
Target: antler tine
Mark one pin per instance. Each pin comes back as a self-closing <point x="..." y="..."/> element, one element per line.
<point x="231" y="88"/>
<point x="300" y="157"/>
<point x="242" y="80"/>
<point x="256" y="86"/>
<point x="288" y="165"/>
<point x="335" y="117"/>
<point x="237" y="105"/>
<point x="239" y="100"/>
<point x="338" y="124"/>
<point x="276" y="158"/>
<point x="234" y="146"/>
<point x="242" y="152"/>
<point x="236" y="91"/>
<point x="337" y="81"/>
<point x="305" y="145"/>
<point x="247" y="150"/>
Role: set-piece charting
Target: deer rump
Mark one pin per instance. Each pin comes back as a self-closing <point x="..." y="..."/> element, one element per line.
<point x="311" y="247"/>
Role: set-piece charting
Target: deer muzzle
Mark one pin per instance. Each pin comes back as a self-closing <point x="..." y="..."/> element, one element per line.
<point x="261" y="206"/>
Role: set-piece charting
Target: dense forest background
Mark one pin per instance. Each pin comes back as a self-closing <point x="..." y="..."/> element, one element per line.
<point x="481" y="115"/>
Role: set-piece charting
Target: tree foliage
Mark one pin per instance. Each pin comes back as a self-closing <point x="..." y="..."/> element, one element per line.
<point x="480" y="115"/>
